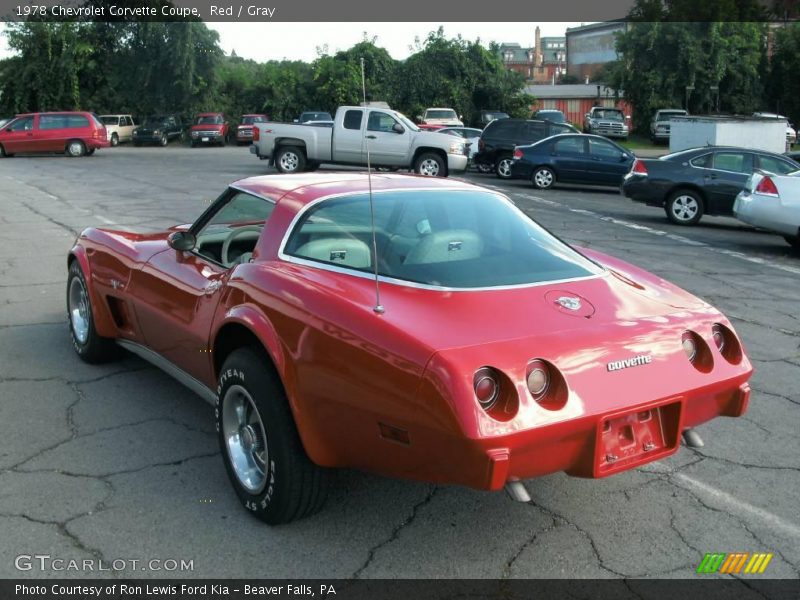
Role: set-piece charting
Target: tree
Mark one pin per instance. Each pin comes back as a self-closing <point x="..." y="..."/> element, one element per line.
<point x="783" y="83"/>
<point x="661" y="58"/>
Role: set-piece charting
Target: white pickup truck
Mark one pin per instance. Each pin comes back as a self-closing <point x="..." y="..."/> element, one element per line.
<point x="392" y="139"/>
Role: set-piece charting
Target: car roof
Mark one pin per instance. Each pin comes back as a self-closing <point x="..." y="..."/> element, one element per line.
<point x="254" y="115"/>
<point x="55" y="112"/>
<point x="307" y="187"/>
<point x="209" y="114"/>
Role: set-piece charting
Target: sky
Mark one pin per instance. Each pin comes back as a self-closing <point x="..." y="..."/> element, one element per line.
<point x="299" y="41"/>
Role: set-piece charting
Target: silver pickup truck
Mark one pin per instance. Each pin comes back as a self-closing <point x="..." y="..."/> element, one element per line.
<point x="392" y="140"/>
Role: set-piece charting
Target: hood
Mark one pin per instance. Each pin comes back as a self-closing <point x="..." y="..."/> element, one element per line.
<point x="443" y="122"/>
<point x="208" y="127"/>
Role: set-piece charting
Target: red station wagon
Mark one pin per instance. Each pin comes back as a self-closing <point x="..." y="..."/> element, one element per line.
<point x="73" y="133"/>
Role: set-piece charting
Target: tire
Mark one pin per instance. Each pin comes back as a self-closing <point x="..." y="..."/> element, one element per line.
<point x="90" y="151"/>
<point x="794" y="242"/>
<point x="75" y="148"/>
<point x="430" y="165"/>
<point x="290" y="159"/>
<point x="114" y="140"/>
<point x="282" y="484"/>
<point x="684" y="207"/>
<point x="88" y="345"/>
<point x="193" y="144"/>
<point x="164" y="140"/>
<point x="2" y="152"/>
<point x="543" y="178"/>
<point x="502" y="168"/>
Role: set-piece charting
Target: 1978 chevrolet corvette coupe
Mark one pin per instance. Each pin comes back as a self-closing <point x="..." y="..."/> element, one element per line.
<point x="494" y="353"/>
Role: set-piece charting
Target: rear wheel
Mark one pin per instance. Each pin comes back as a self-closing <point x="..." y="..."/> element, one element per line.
<point x="264" y="457"/>
<point x="114" y="139"/>
<point x="430" y="165"/>
<point x="89" y="346"/>
<point x="75" y="148"/>
<point x="3" y="152"/>
<point x="502" y="167"/>
<point x="290" y="159"/>
<point x="543" y="178"/>
<point x="684" y="207"/>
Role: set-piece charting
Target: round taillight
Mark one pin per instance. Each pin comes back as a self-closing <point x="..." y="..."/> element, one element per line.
<point x="727" y="343"/>
<point x="689" y="346"/>
<point x="719" y="337"/>
<point x="487" y="387"/>
<point x="538" y="379"/>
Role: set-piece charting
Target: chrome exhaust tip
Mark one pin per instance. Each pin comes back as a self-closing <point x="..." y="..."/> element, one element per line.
<point x="517" y="491"/>
<point x="692" y="439"/>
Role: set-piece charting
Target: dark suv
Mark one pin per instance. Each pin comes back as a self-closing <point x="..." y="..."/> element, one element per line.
<point x="159" y="129"/>
<point x="496" y="146"/>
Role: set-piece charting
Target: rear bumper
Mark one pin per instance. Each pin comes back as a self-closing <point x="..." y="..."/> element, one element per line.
<point x="765" y="212"/>
<point x="521" y="169"/>
<point x="95" y="143"/>
<point x="639" y="189"/>
<point x="147" y="139"/>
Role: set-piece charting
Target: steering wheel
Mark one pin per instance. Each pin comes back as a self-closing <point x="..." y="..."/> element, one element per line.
<point x="226" y="245"/>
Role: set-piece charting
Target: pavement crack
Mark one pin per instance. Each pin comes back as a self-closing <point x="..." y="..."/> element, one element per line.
<point x="510" y="562"/>
<point x="395" y="532"/>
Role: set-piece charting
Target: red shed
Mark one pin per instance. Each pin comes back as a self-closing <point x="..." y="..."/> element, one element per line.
<point x="575" y="100"/>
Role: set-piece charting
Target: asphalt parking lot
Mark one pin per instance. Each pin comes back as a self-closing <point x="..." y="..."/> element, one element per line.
<point x="120" y="462"/>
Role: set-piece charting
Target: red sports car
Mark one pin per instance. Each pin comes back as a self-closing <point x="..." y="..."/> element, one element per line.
<point x="484" y="352"/>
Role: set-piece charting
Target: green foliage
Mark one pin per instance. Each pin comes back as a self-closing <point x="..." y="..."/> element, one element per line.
<point x="661" y="58"/>
<point x="784" y="80"/>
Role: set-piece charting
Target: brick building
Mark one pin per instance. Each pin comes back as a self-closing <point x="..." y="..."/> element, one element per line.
<point x="544" y="62"/>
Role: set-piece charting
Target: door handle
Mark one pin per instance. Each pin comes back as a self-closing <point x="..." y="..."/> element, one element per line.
<point x="371" y="137"/>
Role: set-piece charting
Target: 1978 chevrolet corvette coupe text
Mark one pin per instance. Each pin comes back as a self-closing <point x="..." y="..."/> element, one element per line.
<point x="496" y="352"/>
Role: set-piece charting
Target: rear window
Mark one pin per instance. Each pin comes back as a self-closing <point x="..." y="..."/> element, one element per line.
<point x="110" y="120"/>
<point x="251" y="120"/>
<point x="440" y="114"/>
<point x="447" y="238"/>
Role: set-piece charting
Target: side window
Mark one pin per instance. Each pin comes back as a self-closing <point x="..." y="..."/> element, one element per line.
<point x="379" y="121"/>
<point x="128" y="121"/>
<point x="702" y="162"/>
<point x="557" y="128"/>
<point x="536" y="131"/>
<point x="738" y="162"/>
<point x="52" y="122"/>
<point x="75" y="121"/>
<point x="570" y="145"/>
<point x="603" y="149"/>
<point x="775" y="165"/>
<point x="352" y="119"/>
<point x="23" y="124"/>
<point x="501" y="129"/>
<point x="242" y="209"/>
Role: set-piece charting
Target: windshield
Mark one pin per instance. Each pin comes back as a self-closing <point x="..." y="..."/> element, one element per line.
<point x="494" y="115"/>
<point x="251" y="120"/>
<point x="154" y="122"/>
<point x="406" y="121"/>
<point x="315" y="116"/>
<point x="609" y="114"/>
<point x="210" y="120"/>
<point x="555" y="116"/>
<point x="671" y="113"/>
<point x="444" y="238"/>
<point x="440" y="114"/>
<point x="110" y="120"/>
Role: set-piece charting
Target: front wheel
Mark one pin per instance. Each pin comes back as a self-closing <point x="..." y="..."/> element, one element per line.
<point x="484" y="168"/>
<point x="543" y="178"/>
<point x="264" y="457"/>
<point x="88" y="345"/>
<point x="430" y="165"/>
<point x="114" y="139"/>
<point x="503" y="167"/>
<point x="164" y="140"/>
<point x="290" y="159"/>
<point x="684" y="207"/>
<point x="75" y="148"/>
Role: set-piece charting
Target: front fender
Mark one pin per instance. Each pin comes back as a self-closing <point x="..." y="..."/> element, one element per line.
<point x="103" y="321"/>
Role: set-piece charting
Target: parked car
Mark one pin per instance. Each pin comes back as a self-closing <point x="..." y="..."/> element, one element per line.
<point x="572" y="360"/>
<point x="487" y="116"/>
<point x="244" y="132"/>
<point x="159" y="129"/>
<point x="209" y="128"/>
<point x="394" y="142"/>
<point x="436" y="118"/>
<point x="314" y="116"/>
<point x="119" y="128"/>
<point x="791" y="133"/>
<point x="549" y="114"/>
<point x="772" y="202"/>
<point x="498" y="140"/>
<point x="73" y="133"/>
<point x="469" y="134"/>
<point x="608" y="122"/>
<point x="699" y="181"/>
<point x="572" y="158"/>
<point x="660" y="126"/>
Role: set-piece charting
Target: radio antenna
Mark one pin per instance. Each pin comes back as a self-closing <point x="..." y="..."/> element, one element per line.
<point x="378" y="308"/>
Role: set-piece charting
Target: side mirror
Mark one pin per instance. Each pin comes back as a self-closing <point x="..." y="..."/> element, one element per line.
<point x="295" y="120"/>
<point x="419" y="118"/>
<point x="183" y="241"/>
<point x="397" y="128"/>
<point x="461" y="117"/>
